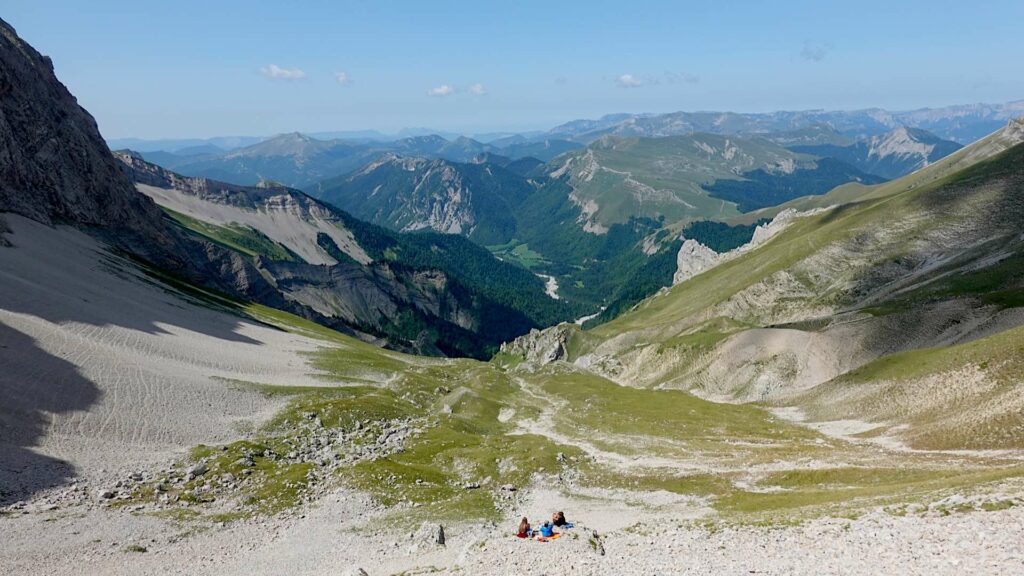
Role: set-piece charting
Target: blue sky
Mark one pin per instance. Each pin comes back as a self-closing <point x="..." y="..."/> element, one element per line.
<point x="198" y="69"/>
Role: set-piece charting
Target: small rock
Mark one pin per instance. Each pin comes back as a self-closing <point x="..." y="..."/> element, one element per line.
<point x="199" y="470"/>
<point x="428" y="535"/>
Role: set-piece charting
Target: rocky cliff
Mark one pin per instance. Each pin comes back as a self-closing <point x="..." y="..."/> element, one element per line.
<point x="54" y="165"/>
<point x="55" y="168"/>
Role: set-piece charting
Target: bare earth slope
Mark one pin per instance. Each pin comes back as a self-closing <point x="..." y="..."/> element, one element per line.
<point x="105" y="371"/>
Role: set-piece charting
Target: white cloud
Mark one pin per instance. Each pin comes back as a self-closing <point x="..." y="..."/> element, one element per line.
<point x="814" y="51"/>
<point x="636" y="81"/>
<point x="629" y="81"/>
<point x="276" y="72"/>
<point x="442" y="90"/>
<point x="477" y="89"/>
<point x="342" y="78"/>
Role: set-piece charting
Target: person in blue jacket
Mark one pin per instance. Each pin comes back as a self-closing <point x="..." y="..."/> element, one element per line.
<point x="547" y="530"/>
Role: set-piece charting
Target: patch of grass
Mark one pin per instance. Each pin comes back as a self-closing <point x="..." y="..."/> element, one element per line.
<point x="466" y="442"/>
<point x="506" y="361"/>
<point x="343" y="408"/>
<point x="1001" y="355"/>
<point x="852" y="477"/>
<point x="996" y="505"/>
<point x="690" y="485"/>
<point x="832" y="490"/>
<point x="239" y="238"/>
<point x="519" y="253"/>
<point x="270" y="484"/>
<point x="1001" y="284"/>
<point x="135" y="548"/>
<point x="178" y="514"/>
<point x="608" y="408"/>
<point x="704" y="337"/>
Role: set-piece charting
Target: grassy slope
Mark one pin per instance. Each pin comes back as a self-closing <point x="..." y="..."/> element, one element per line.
<point x="677" y="177"/>
<point x="854" y="192"/>
<point x="239" y="238"/>
<point x="803" y="238"/>
<point x="568" y="429"/>
<point x="668" y="164"/>
<point x="927" y="389"/>
<point x="966" y="396"/>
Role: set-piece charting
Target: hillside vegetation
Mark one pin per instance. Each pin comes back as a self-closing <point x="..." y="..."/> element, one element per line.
<point x="826" y="372"/>
<point x="844" y="293"/>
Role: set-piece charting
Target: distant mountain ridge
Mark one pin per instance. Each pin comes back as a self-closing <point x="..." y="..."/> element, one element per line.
<point x="478" y="200"/>
<point x="592" y="217"/>
<point x="961" y="123"/>
<point x="890" y="155"/>
<point x="302" y="161"/>
<point x="685" y="177"/>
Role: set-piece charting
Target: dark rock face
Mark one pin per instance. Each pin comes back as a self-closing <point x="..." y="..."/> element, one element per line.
<point x="54" y="166"/>
<point x="371" y="296"/>
<point x="4" y="229"/>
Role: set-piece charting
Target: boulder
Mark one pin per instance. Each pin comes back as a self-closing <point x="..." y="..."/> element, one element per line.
<point x="542" y="346"/>
<point x="430" y="535"/>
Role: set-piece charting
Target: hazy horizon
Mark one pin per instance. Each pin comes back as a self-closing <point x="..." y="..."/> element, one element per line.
<point x="405" y="131"/>
<point x="261" y="69"/>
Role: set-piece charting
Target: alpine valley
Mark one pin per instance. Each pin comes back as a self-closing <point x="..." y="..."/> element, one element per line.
<point x="721" y="343"/>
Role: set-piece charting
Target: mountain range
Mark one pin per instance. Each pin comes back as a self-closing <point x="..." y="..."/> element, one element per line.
<point x="890" y="155"/>
<point x="555" y="218"/>
<point x="302" y="161"/>
<point x="245" y="375"/>
<point x="961" y="123"/>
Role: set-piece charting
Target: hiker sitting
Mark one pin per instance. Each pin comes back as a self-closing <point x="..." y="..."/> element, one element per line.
<point x="547" y="530"/>
<point x="524" y="529"/>
<point x="558" y="519"/>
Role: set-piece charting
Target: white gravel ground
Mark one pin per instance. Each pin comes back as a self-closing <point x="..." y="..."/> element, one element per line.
<point x="344" y="531"/>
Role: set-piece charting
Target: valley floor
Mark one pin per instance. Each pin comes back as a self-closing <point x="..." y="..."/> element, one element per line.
<point x="113" y="380"/>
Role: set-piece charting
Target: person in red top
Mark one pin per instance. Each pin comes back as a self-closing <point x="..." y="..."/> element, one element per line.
<point x="524" y="529"/>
